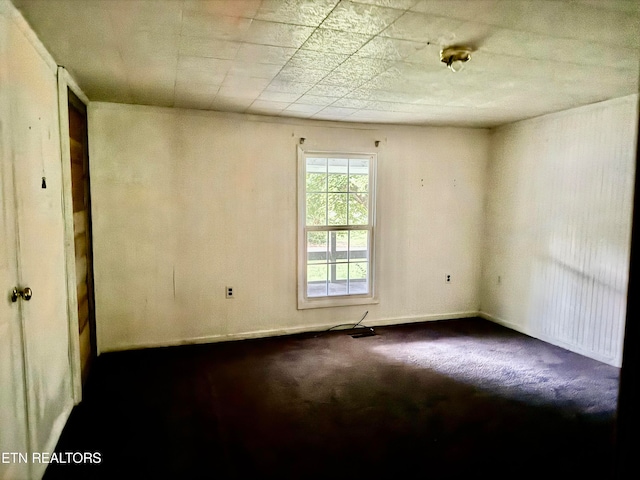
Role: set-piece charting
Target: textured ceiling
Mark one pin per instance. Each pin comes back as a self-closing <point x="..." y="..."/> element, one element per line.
<point x="360" y="61"/>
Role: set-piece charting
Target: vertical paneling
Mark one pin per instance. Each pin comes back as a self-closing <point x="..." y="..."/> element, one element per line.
<point x="567" y="224"/>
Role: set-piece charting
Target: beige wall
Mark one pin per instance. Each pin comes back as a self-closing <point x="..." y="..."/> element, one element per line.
<point x="187" y="202"/>
<point x="558" y="222"/>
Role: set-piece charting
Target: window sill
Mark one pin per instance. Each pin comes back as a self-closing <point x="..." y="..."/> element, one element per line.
<point x="324" y="302"/>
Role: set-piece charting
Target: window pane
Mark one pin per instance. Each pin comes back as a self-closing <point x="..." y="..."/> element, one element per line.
<point x="338" y="178"/>
<point x="338" y="247"/>
<point x="338" y="196"/>
<point x="316" y="280"/>
<point x="317" y="247"/>
<point x="338" y="277"/>
<point x="316" y="208"/>
<point x="337" y="209"/>
<point x="358" y="278"/>
<point x="316" y="182"/>
<point x="358" y="245"/>
<point x="358" y="209"/>
<point x="358" y="175"/>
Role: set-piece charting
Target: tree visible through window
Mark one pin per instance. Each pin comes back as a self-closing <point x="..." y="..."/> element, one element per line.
<point x="337" y="193"/>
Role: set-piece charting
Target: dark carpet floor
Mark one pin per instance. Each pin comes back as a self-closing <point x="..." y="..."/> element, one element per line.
<point x="436" y="400"/>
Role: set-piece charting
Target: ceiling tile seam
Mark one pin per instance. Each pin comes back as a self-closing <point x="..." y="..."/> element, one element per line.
<point x="235" y="55"/>
<point x="359" y="85"/>
<point x="329" y="72"/>
<point x="349" y="57"/>
<point x="521" y="30"/>
<point x="364" y="2"/>
<point x="175" y="80"/>
<point x="184" y="35"/>
<point x="294" y="54"/>
<point x="120" y="54"/>
<point x="369" y="41"/>
<point x="195" y="11"/>
<point x="319" y="26"/>
<point x="257" y="14"/>
<point x="561" y="62"/>
<point x="372" y="36"/>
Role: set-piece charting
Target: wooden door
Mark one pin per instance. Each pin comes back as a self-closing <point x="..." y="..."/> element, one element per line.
<point x="78" y="142"/>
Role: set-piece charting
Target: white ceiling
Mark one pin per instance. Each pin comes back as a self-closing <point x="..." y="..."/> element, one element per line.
<point x="360" y="60"/>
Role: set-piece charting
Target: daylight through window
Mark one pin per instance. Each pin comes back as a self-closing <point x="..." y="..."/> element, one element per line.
<point x="337" y="223"/>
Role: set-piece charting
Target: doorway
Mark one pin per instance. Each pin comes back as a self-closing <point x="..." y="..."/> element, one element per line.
<point x="80" y="186"/>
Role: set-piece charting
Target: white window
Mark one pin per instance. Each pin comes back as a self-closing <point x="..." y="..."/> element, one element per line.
<point x="336" y="221"/>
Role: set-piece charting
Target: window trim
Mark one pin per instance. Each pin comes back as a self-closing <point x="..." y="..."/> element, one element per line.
<point x="305" y="302"/>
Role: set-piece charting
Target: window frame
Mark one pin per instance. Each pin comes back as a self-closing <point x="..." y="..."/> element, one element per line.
<point x="304" y="301"/>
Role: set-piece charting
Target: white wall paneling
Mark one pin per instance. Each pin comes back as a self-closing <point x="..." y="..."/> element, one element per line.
<point x="558" y="222"/>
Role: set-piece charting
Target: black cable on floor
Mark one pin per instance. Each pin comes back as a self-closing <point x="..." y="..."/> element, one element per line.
<point x="352" y="326"/>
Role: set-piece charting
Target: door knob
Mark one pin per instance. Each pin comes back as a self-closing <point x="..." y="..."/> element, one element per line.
<point x="26" y="293"/>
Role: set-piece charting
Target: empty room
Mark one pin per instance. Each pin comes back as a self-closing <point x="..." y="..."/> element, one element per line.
<point x="318" y="238"/>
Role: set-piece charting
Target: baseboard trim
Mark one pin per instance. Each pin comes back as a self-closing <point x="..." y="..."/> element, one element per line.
<point x="421" y="318"/>
<point x="504" y="323"/>
<point x="545" y="338"/>
<point x="286" y="331"/>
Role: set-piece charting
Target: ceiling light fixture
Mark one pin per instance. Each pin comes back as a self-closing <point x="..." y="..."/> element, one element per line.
<point x="455" y="57"/>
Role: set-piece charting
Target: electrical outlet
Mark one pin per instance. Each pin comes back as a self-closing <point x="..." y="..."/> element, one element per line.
<point x="229" y="292"/>
<point x="447" y="278"/>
